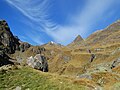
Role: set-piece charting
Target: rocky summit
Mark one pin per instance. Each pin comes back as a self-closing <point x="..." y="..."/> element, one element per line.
<point x="85" y="64"/>
<point x="77" y="41"/>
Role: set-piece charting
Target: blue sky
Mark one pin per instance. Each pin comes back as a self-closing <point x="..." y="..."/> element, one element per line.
<point x="41" y="21"/>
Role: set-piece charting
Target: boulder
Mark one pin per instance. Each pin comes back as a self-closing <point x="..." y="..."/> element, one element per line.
<point x="38" y="62"/>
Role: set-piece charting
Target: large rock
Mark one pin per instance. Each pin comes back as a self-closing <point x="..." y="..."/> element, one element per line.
<point x="38" y="62"/>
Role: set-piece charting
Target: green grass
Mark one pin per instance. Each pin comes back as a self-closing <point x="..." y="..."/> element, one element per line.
<point x="35" y="80"/>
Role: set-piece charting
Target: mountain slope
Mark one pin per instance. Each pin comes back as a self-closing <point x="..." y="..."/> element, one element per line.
<point x="28" y="79"/>
<point x="109" y="35"/>
<point x="93" y="63"/>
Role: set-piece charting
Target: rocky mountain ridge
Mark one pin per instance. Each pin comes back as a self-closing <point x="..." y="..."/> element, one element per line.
<point x="107" y="36"/>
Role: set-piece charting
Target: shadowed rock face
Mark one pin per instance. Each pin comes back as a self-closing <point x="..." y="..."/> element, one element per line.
<point x="38" y="62"/>
<point x="24" y="46"/>
<point x="4" y="59"/>
<point x="10" y="42"/>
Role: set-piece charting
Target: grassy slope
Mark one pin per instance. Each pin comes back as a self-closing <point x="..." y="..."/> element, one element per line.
<point x="35" y="80"/>
<point x="31" y="79"/>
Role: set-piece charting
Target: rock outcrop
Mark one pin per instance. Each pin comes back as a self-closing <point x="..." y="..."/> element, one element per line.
<point x="115" y="63"/>
<point x="24" y="46"/>
<point x="38" y="62"/>
<point x="10" y="42"/>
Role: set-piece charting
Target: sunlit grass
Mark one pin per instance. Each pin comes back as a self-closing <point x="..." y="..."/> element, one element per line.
<point x="35" y="80"/>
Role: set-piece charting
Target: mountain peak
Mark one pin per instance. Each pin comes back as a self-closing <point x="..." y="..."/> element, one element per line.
<point x="52" y="43"/>
<point x="78" y="39"/>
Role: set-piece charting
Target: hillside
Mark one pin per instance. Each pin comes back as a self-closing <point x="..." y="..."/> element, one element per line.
<point x="26" y="78"/>
<point x="109" y="35"/>
<point x="84" y="64"/>
<point x="21" y="79"/>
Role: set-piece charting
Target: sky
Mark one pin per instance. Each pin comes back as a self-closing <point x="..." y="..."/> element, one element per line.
<point x="42" y="21"/>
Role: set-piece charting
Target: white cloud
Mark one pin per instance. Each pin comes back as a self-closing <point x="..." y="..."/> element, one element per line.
<point x="37" y="11"/>
<point x="34" y="10"/>
<point x="82" y="21"/>
<point x="65" y="34"/>
<point x="93" y="11"/>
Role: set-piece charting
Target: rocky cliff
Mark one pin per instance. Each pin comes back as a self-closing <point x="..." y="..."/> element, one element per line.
<point x="10" y="42"/>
